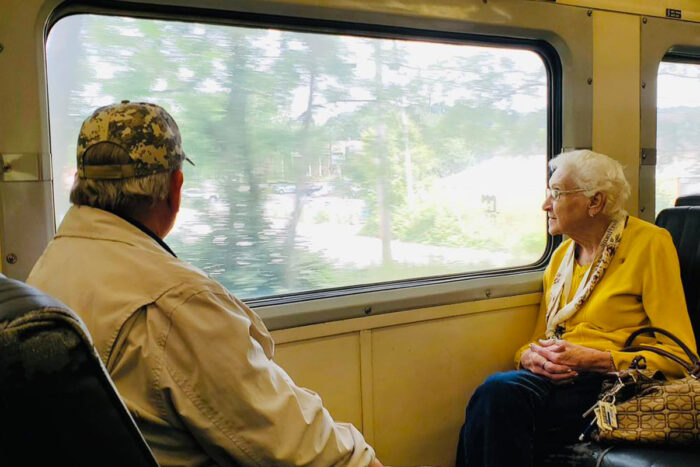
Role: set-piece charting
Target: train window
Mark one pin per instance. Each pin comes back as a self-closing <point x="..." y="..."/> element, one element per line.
<point x="678" y="141"/>
<point x="324" y="160"/>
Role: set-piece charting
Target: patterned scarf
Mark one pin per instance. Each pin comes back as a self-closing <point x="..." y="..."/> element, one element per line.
<point x="563" y="278"/>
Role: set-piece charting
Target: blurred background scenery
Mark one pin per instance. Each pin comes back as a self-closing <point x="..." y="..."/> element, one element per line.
<point x="324" y="160"/>
<point x="677" y="137"/>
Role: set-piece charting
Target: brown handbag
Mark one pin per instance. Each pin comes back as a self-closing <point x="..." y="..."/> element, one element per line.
<point x="643" y="406"/>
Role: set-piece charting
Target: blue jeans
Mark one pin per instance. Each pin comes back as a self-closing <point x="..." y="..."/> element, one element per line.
<point x="513" y="414"/>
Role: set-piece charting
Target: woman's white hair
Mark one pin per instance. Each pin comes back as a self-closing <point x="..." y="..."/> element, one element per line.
<point x="125" y="197"/>
<point x="596" y="172"/>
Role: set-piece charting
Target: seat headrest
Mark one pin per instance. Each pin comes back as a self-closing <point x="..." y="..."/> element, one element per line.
<point x="688" y="200"/>
<point x="18" y="298"/>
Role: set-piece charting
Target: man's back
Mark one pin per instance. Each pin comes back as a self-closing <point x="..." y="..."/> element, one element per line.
<point x="191" y="361"/>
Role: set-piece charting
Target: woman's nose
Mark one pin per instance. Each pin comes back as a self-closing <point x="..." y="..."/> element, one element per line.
<point x="547" y="204"/>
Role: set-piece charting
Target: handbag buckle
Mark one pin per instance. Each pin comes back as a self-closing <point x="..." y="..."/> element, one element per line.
<point x="695" y="372"/>
<point x="638" y="363"/>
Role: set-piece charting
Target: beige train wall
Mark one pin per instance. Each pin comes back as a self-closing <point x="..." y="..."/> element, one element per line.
<point x="402" y="378"/>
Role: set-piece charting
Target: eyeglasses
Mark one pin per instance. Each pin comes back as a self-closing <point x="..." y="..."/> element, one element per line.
<point x="555" y="194"/>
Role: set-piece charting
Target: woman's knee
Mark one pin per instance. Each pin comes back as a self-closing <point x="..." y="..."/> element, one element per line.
<point x="511" y="387"/>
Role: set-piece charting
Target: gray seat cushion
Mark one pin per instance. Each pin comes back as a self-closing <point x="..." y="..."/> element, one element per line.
<point x="57" y="403"/>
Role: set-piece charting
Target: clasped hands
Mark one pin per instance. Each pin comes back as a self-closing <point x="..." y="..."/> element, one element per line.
<point x="560" y="360"/>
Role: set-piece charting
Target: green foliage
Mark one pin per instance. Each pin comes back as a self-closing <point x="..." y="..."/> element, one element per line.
<point x="435" y="225"/>
<point x="530" y="245"/>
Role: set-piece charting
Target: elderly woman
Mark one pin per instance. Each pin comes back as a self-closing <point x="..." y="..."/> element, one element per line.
<point x="612" y="275"/>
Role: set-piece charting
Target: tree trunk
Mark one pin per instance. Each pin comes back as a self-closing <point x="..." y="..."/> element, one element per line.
<point x="291" y="275"/>
<point x="382" y="154"/>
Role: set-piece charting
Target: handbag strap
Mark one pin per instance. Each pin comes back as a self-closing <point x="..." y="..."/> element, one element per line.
<point x="639" y="348"/>
<point x="692" y="368"/>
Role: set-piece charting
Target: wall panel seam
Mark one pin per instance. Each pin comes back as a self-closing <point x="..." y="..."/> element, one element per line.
<point x="366" y="384"/>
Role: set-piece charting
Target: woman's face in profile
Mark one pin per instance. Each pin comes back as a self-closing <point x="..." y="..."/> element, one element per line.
<point x="568" y="213"/>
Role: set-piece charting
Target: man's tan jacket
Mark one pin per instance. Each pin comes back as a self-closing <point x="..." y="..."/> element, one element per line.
<point x="193" y="363"/>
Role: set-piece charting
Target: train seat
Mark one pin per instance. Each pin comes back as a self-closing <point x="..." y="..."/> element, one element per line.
<point x="688" y="200"/>
<point x="683" y="222"/>
<point x="58" y="405"/>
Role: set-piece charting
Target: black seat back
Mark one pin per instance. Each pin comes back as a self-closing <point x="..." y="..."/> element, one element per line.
<point x="688" y="200"/>
<point x="58" y="405"/>
<point x="684" y="225"/>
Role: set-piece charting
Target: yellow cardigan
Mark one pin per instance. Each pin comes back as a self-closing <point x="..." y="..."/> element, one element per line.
<point x="641" y="287"/>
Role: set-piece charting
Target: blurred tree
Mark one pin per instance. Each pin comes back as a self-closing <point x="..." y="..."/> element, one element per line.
<point x="314" y="66"/>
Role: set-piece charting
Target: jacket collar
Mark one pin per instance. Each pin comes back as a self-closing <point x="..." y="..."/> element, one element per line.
<point x="92" y="223"/>
<point x="150" y="233"/>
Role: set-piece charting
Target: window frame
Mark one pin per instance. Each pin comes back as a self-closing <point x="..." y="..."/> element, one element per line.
<point x="677" y="54"/>
<point x="662" y="39"/>
<point x="335" y="303"/>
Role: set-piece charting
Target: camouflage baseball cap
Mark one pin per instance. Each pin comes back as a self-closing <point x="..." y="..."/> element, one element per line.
<point x="144" y="131"/>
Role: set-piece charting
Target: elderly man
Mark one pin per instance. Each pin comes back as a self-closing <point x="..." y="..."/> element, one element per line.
<point x="193" y="363"/>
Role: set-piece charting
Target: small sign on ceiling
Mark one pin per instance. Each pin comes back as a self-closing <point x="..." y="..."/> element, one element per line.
<point x="671" y="13"/>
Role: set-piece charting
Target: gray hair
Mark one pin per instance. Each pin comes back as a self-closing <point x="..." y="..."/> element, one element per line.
<point x="126" y="196"/>
<point x="596" y="173"/>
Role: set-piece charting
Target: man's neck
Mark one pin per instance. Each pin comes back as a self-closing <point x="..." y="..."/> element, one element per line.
<point x="158" y="219"/>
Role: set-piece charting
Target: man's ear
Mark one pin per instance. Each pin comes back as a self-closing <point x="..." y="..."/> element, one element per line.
<point x="177" y="178"/>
